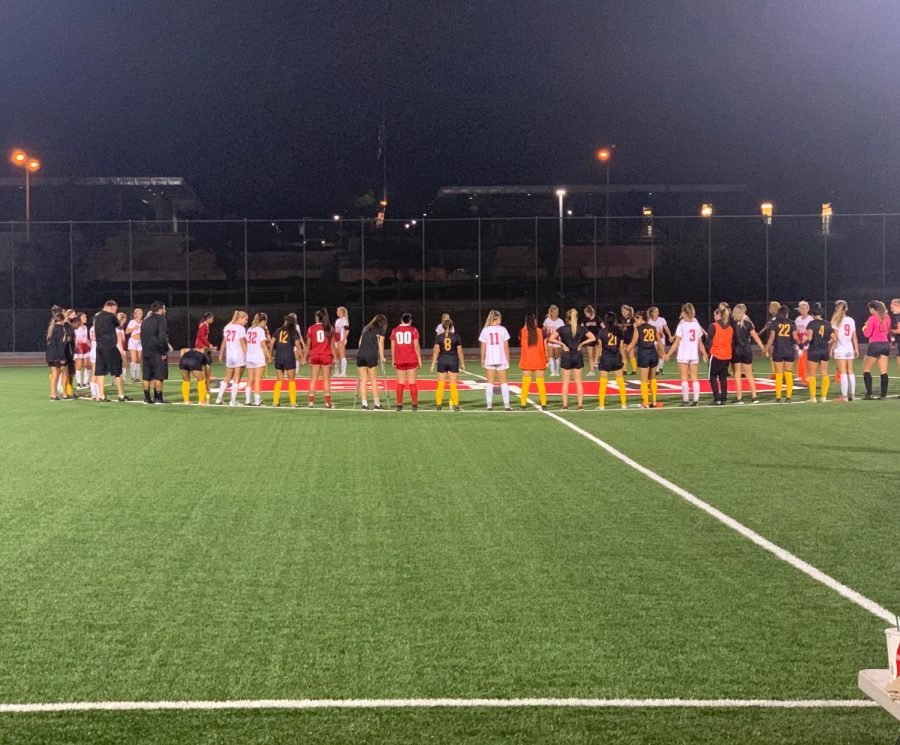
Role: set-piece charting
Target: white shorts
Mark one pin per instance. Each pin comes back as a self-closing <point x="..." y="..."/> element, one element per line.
<point x="135" y="344"/>
<point x="255" y="364"/>
<point x="843" y="354"/>
<point x="92" y="355"/>
<point x="498" y="366"/>
<point x="233" y="361"/>
<point x="81" y="356"/>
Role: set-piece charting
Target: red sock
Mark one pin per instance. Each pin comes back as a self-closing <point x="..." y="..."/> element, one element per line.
<point x="400" y="388"/>
<point x="311" y="396"/>
<point x="327" y="398"/>
<point x="414" y="393"/>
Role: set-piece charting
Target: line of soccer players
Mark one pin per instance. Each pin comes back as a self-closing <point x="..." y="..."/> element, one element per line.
<point x="76" y="354"/>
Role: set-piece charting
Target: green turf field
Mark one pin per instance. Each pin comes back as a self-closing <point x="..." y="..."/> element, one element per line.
<point x="187" y="553"/>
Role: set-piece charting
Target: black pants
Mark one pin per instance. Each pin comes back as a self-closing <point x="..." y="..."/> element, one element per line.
<point x="718" y="378"/>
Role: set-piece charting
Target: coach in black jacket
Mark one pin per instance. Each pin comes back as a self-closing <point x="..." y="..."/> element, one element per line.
<point x="155" y="341"/>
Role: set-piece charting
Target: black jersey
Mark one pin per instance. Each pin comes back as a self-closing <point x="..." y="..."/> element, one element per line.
<point x="610" y="339"/>
<point x="592" y="325"/>
<point x="69" y="340"/>
<point x="821" y="335"/>
<point x="368" y="344"/>
<point x="193" y="361"/>
<point x="56" y="344"/>
<point x="647" y="337"/>
<point x="569" y="340"/>
<point x="895" y="319"/>
<point x="740" y="341"/>
<point x="627" y="329"/>
<point x="105" y="325"/>
<point x="284" y="343"/>
<point x="447" y="345"/>
<point x="783" y="346"/>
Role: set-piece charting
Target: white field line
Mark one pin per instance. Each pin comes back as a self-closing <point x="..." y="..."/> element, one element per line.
<point x="440" y="703"/>
<point x="808" y="569"/>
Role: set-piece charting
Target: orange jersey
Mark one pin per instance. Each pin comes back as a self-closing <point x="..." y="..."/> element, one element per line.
<point x="720" y="348"/>
<point x="532" y="356"/>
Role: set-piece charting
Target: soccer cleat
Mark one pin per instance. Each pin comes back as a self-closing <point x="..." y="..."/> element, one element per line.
<point x="685" y="403"/>
<point x="122" y="399"/>
<point x="438" y="408"/>
<point x="754" y="400"/>
<point x="457" y="408"/>
<point x="880" y="398"/>
<point x="695" y="403"/>
<point x="522" y="408"/>
<point x="399" y="407"/>
<point x="365" y="404"/>
<point x="329" y="405"/>
<point x="507" y="408"/>
<point x="565" y="408"/>
<point x="311" y="404"/>
<point x="868" y="397"/>
<point x="580" y="407"/>
<point x="787" y="400"/>
<point x="415" y="407"/>
<point x="378" y="407"/>
<point x="601" y="408"/>
<point x="739" y="401"/>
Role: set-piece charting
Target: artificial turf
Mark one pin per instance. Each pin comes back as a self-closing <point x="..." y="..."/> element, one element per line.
<point x="189" y="553"/>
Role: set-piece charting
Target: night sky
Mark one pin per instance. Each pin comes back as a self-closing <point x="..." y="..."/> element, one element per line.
<point x="272" y="109"/>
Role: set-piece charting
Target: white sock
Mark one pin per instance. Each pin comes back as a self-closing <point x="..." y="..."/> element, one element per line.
<point x="247" y="394"/>
<point x="257" y="398"/>
<point x="221" y="392"/>
<point x="234" y="391"/>
<point x="852" y="379"/>
<point x="94" y="393"/>
<point x="489" y="394"/>
<point x="504" y="392"/>
<point x="696" y="390"/>
<point x="685" y="391"/>
<point x="845" y="385"/>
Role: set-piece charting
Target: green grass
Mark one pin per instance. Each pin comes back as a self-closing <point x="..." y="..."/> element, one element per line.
<point x="188" y="553"/>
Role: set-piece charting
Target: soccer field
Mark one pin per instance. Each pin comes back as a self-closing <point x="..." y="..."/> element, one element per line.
<point x="218" y="554"/>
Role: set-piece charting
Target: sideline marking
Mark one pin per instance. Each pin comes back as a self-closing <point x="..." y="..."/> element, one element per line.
<point x="441" y="703"/>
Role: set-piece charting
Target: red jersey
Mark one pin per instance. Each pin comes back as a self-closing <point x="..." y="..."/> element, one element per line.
<point x="319" y="341"/>
<point x="404" y="338"/>
<point x="202" y="340"/>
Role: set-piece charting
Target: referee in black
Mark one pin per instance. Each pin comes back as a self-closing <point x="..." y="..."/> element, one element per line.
<point x="109" y="354"/>
<point x="155" y="341"/>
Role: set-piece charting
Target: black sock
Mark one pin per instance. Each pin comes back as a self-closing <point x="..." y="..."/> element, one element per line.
<point x="157" y="395"/>
<point x="867" y="379"/>
<point x="147" y="395"/>
<point x="884" y="384"/>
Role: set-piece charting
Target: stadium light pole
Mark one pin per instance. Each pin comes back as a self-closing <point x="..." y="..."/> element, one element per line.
<point x="706" y="212"/>
<point x="29" y="164"/>
<point x="766" y="208"/>
<point x="827" y="213"/>
<point x="604" y="155"/>
<point x="560" y="195"/>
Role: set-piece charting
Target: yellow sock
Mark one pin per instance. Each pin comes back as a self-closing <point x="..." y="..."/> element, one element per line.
<point x="779" y="383"/>
<point x="186" y="391"/>
<point x="292" y="392"/>
<point x="439" y="396"/>
<point x="633" y="364"/>
<point x="789" y="378"/>
<point x="623" y="393"/>
<point x="812" y="386"/>
<point x="542" y="391"/>
<point x="454" y="394"/>
<point x="276" y="394"/>
<point x="601" y="392"/>
<point x="201" y="391"/>
<point x="526" y="386"/>
<point x="653" y="389"/>
<point x="645" y="394"/>
<point x="68" y="387"/>
<point x="825" y="381"/>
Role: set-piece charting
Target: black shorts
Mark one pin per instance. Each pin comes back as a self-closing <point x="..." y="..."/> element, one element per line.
<point x="878" y="349"/>
<point x="192" y="365"/>
<point x="818" y="355"/>
<point x="448" y="365"/>
<point x="155" y="367"/>
<point x="109" y="362"/>
<point x="608" y="363"/>
<point x="742" y="357"/>
<point x="784" y="357"/>
<point x="55" y="362"/>
<point x="647" y="358"/>
<point x="572" y="361"/>
<point x="366" y="361"/>
<point x="628" y="335"/>
<point x="285" y="363"/>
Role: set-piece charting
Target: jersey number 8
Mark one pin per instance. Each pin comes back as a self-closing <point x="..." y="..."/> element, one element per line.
<point x="448" y="344"/>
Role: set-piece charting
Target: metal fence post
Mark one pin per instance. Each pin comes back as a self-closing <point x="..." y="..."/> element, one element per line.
<point x="12" y="279"/>
<point x="883" y="255"/>
<point x="424" y="325"/>
<point x="536" y="297"/>
<point x="652" y="264"/>
<point x="478" y="275"/>
<point x="71" y="268"/>
<point x="595" y="264"/>
<point x="303" y="228"/>
<point x="362" y="268"/>
<point x="187" y="278"/>
<point x="130" y="265"/>
<point x="246" y="271"/>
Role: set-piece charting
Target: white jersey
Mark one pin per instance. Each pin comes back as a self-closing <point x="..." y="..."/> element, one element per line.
<point x="256" y="339"/>
<point x="92" y="355"/>
<point x="231" y="338"/>
<point x="494" y="338"/>
<point x="689" y="347"/>
<point x="550" y="326"/>
<point x="801" y="323"/>
<point x="341" y="329"/>
<point x="843" y="350"/>
<point x="120" y="338"/>
<point x="659" y="324"/>
<point x="134" y="329"/>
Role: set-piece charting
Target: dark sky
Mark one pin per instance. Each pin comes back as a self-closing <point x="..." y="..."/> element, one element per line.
<point x="272" y="108"/>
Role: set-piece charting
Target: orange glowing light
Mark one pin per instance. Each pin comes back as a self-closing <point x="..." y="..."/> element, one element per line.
<point x="603" y="154"/>
<point x="18" y="157"/>
<point x="34" y="165"/>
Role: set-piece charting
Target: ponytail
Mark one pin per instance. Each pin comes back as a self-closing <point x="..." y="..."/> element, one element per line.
<point x="531" y="329"/>
<point x="840" y="310"/>
<point x="572" y="318"/>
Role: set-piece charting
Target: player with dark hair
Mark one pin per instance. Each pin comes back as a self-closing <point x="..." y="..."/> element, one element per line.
<point x="532" y="360"/>
<point x="780" y="346"/>
<point x="56" y="353"/>
<point x="288" y="350"/>
<point x="156" y="347"/>
<point x="407" y="358"/>
<point x="109" y="350"/>
<point x="877" y="330"/>
<point x="649" y="348"/>
<point x="721" y="351"/>
<point x="320" y="339"/>
<point x="193" y="363"/>
<point x="612" y="359"/>
<point x="821" y="338"/>
<point x="448" y="360"/>
<point x="369" y="356"/>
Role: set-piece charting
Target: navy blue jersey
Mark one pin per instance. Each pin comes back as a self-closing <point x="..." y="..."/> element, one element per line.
<point x="821" y="335"/>
<point x="447" y="345"/>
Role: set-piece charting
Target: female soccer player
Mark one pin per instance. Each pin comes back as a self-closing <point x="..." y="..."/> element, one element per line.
<point x="133" y="332"/>
<point x="257" y="358"/>
<point x="234" y="352"/>
<point x="592" y="324"/>
<point x="122" y="338"/>
<point x="320" y="342"/>
<point x="193" y="362"/>
<point x="801" y="322"/>
<point x="662" y="331"/>
<point x="341" y="334"/>
<point x="877" y="330"/>
<point x="439" y="329"/>
<point x="56" y="353"/>
<point x="627" y="324"/>
<point x="721" y="344"/>
<point x="820" y="339"/>
<point x="612" y="359"/>
<point x="688" y="346"/>
<point x="201" y="341"/>
<point x="649" y="348"/>
<point x="287" y="350"/>
<point x="551" y="323"/>
<point x="494" y="340"/>
<point x="82" y="351"/>
<point x="406" y="354"/>
<point x="781" y="346"/>
<point x="574" y="337"/>
<point x="532" y="360"/>
<point x="447" y="358"/>
<point x="369" y="355"/>
<point x="846" y="349"/>
<point x="742" y="352"/>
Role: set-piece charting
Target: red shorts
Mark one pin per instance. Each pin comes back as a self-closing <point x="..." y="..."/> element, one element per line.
<point x="322" y="359"/>
<point x="406" y="366"/>
<point x="82" y="348"/>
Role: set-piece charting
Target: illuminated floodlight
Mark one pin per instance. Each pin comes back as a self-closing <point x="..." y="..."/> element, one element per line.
<point x="706" y="210"/>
